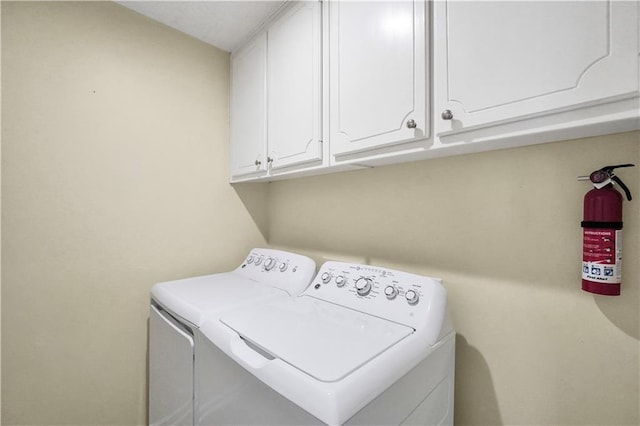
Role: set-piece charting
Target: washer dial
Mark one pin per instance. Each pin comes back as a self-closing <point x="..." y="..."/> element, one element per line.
<point x="363" y="286"/>
<point x="412" y="297"/>
<point x="270" y="263"/>
<point x="391" y="292"/>
<point x="326" y="277"/>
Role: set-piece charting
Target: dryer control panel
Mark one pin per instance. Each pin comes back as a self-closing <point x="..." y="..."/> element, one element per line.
<point x="287" y="271"/>
<point x="402" y="297"/>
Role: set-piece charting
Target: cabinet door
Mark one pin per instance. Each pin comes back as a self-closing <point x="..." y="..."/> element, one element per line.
<point x="294" y="86"/>
<point x="501" y="61"/>
<point x="248" y="108"/>
<point x="378" y="74"/>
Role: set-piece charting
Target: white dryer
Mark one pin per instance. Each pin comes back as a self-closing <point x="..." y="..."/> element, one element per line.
<point x="362" y="345"/>
<point x="178" y="309"/>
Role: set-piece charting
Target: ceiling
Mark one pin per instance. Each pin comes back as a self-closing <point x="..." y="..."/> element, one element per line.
<point x="225" y="24"/>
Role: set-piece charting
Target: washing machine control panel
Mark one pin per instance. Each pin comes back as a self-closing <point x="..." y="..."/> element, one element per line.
<point x="386" y="293"/>
<point x="290" y="272"/>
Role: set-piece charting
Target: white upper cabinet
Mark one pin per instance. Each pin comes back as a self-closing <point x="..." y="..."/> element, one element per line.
<point x="346" y="84"/>
<point x="294" y="87"/>
<point x="276" y="96"/>
<point x="500" y="62"/>
<point x="248" y="108"/>
<point x="377" y="74"/>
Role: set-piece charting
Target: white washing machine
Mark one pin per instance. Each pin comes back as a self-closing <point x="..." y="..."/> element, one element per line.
<point x="178" y="309"/>
<point x="361" y="345"/>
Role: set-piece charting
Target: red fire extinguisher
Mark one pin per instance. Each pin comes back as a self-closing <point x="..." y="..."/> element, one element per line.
<point x="602" y="233"/>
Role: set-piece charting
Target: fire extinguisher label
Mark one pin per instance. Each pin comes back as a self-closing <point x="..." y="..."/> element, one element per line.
<point x="602" y="255"/>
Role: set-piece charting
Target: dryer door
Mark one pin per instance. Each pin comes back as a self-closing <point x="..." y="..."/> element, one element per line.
<point x="170" y="370"/>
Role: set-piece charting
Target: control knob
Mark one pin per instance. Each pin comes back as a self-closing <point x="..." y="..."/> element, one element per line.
<point x="340" y="280"/>
<point x="412" y="297"/>
<point x="270" y="263"/>
<point x="283" y="266"/>
<point x="258" y="260"/>
<point x="325" y="277"/>
<point x="363" y="286"/>
<point x="391" y="292"/>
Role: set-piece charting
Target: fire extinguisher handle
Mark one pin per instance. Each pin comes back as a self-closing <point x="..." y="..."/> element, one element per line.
<point x="617" y="180"/>
<point x="609" y="169"/>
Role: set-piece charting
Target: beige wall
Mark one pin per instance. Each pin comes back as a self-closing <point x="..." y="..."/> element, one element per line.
<point x="114" y="177"/>
<point x="503" y="231"/>
<point x="114" y="171"/>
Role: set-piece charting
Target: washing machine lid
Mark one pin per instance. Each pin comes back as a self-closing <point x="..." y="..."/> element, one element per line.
<point x="324" y="340"/>
<point x="194" y="298"/>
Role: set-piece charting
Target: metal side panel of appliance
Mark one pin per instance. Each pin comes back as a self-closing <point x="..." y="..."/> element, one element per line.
<point x="171" y="355"/>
